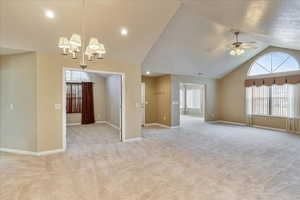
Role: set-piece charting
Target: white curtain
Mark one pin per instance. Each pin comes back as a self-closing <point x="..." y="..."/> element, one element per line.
<point x="275" y="100"/>
<point x="293" y="115"/>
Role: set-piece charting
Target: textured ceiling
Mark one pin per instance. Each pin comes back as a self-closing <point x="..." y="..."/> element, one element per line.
<point x="24" y="26"/>
<point x="187" y="40"/>
<point x="195" y="39"/>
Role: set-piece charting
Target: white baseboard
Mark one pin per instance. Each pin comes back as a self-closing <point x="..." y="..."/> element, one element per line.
<point x="161" y="125"/>
<point x="254" y="126"/>
<point x="44" y="153"/>
<point x="228" y="122"/>
<point x="73" y="124"/>
<point x="30" y="153"/>
<point x="112" y="125"/>
<point x="100" y="122"/>
<point x="133" y="139"/>
<point x="17" y="151"/>
<point x="269" y="128"/>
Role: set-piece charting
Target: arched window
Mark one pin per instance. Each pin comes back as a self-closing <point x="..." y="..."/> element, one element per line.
<point x="275" y="62"/>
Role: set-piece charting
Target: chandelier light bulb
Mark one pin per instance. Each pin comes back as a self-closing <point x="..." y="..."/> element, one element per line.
<point x="94" y="44"/>
<point x="75" y="40"/>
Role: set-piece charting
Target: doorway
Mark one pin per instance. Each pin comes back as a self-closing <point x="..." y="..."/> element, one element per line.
<point x="192" y="103"/>
<point x="143" y="104"/>
<point x="93" y="107"/>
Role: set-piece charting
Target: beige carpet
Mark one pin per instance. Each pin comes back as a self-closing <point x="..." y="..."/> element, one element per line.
<point x="197" y="162"/>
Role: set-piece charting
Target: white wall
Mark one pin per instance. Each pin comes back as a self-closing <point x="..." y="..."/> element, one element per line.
<point x="113" y="99"/>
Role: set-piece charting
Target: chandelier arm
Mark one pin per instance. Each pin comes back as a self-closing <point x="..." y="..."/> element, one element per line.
<point x="83" y="17"/>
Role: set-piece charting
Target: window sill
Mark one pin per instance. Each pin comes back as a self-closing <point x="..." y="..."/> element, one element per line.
<point x="274" y="116"/>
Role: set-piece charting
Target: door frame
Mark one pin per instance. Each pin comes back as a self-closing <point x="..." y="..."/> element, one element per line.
<point x="123" y="110"/>
<point x="143" y="93"/>
<point x="203" y="98"/>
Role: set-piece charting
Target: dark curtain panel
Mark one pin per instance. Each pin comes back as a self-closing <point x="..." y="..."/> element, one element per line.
<point x="74" y="97"/>
<point x="87" y="116"/>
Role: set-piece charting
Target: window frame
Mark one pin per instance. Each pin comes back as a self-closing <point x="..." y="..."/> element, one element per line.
<point x="270" y="106"/>
<point x="273" y="74"/>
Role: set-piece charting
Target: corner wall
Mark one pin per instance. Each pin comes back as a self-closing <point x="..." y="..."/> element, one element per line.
<point x="18" y="101"/>
<point x="232" y="94"/>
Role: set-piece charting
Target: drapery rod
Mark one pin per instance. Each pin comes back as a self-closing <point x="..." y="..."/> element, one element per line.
<point x="78" y="83"/>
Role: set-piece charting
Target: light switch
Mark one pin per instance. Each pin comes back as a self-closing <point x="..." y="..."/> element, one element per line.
<point x="11" y="106"/>
<point x="57" y="106"/>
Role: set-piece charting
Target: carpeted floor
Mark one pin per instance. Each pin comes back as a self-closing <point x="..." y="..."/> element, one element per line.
<point x="197" y="161"/>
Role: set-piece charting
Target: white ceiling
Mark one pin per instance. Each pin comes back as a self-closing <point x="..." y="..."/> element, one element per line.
<point x="195" y="39"/>
<point x="187" y="40"/>
<point x="24" y="26"/>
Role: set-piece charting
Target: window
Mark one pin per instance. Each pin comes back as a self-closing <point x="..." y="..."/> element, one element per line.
<point x="182" y="99"/>
<point x="275" y="62"/>
<point x="193" y="98"/>
<point x="76" y="76"/>
<point x="74" y="98"/>
<point x="269" y="100"/>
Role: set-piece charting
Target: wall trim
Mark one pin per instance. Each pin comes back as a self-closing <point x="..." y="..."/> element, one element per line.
<point x="134" y="139"/>
<point x="269" y="128"/>
<point x="229" y="122"/>
<point x="100" y="122"/>
<point x="161" y="125"/>
<point x="112" y="125"/>
<point x="73" y="124"/>
<point x="31" y="153"/>
<point x="253" y="126"/>
<point x="17" y="151"/>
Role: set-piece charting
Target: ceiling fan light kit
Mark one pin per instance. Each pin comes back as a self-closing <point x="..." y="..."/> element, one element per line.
<point x="76" y="44"/>
<point x="238" y="48"/>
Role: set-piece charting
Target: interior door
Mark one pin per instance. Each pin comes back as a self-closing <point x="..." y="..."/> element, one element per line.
<point x="143" y="103"/>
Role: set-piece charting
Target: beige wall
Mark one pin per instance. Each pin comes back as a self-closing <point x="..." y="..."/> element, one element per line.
<point x="211" y="96"/>
<point x="150" y="99"/>
<point x="158" y="99"/>
<point x="163" y="95"/>
<point x="49" y="93"/>
<point x="113" y="98"/>
<point x="99" y="89"/>
<point x="232" y="94"/>
<point x="18" y="88"/>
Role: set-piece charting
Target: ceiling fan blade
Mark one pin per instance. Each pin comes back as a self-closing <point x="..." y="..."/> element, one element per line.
<point x="252" y="42"/>
<point x="248" y="46"/>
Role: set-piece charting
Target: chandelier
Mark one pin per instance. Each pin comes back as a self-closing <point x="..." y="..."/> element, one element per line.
<point x="76" y="45"/>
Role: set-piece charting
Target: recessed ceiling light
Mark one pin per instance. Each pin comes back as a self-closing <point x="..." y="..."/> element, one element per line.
<point x="50" y="14"/>
<point x="147" y="72"/>
<point x="124" y="31"/>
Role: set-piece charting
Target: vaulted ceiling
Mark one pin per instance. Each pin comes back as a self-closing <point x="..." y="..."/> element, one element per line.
<point x="169" y="36"/>
<point x="195" y="39"/>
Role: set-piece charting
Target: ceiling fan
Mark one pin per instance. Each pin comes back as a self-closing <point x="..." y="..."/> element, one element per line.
<point x="237" y="48"/>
